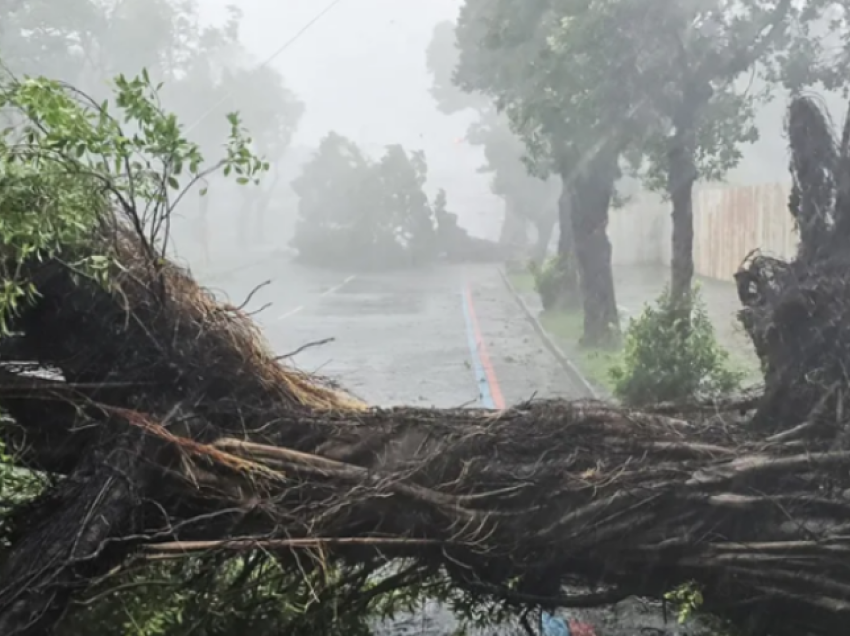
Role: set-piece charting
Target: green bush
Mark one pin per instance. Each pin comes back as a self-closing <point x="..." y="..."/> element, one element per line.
<point x="667" y="357"/>
<point x="554" y="282"/>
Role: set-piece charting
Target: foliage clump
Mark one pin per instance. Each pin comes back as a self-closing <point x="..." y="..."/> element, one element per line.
<point x="69" y="166"/>
<point x="671" y="354"/>
<point x="354" y="211"/>
<point x="554" y="282"/>
<point x="77" y="176"/>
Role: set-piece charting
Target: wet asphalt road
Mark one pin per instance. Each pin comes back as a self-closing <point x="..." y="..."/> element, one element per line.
<point x="399" y="338"/>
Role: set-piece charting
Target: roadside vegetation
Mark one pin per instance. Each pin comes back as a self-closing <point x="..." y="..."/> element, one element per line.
<point x="661" y="358"/>
<point x="591" y="103"/>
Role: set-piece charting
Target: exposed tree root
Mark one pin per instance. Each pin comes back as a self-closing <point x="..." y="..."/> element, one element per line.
<point x="179" y="433"/>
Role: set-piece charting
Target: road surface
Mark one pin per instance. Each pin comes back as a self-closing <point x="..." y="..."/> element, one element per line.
<point x="399" y="338"/>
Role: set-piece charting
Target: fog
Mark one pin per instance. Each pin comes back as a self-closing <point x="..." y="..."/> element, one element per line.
<point x="360" y="70"/>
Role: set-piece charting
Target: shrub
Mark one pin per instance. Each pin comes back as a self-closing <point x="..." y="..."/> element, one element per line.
<point x="555" y="282"/>
<point x="671" y="357"/>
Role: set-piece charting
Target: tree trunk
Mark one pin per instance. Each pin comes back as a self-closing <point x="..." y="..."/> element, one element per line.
<point x="73" y="533"/>
<point x="568" y="295"/>
<point x="681" y="175"/>
<point x="465" y="490"/>
<point x="545" y="226"/>
<point x="513" y="231"/>
<point x="589" y="219"/>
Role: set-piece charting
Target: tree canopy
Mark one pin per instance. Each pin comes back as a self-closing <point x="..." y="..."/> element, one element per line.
<point x="357" y="211"/>
<point x="590" y="85"/>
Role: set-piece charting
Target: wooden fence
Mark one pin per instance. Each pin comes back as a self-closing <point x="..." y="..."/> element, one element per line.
<point x="729" y="223"/>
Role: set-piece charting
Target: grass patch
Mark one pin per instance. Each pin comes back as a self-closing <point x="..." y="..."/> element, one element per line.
<point x="522" y="281"/>
<point x="566" y="327"/>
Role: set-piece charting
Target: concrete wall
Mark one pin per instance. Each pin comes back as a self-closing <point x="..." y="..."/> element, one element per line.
<point x="729" y="223"/>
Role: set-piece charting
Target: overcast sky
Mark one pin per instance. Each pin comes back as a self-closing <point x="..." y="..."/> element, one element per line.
<point x="361" y="71"/>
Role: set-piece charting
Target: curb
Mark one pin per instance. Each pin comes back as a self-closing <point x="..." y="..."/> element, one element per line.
<point x="548" y="342"/>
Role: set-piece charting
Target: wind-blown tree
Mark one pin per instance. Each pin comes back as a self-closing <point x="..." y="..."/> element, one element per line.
<point x="169" y="429"/>
<point x="508" y="53"/>
<point x="205" y="69"/>
<point x="528" y="198"/>
<point x="402" y="176"/>
<point x="589" y="83"/>
<point x="76" y="190"/>
<point x="688" y="70"/>
<point x="357" y="212"/>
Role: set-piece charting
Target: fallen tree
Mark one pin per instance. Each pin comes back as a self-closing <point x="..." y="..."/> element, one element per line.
<point x="172" y="430"/>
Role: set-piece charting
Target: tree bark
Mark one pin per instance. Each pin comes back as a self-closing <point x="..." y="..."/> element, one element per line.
<point x="74" y="533"/>
<point x="631" y="503"/>
<point x="592" y="191"/>
<point x="568" y="295"/>
<point x="681" y="175"/>
<point x="544" y="224"/>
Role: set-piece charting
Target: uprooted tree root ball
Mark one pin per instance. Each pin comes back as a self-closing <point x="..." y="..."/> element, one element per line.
<point x="176" y="431"/>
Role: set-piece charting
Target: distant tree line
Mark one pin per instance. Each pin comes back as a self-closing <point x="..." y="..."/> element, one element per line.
<point x="355" y="211"/>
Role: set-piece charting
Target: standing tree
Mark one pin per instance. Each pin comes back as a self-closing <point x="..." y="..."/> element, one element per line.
<point x="683" y="66"/>
<point x="508" y="52"/>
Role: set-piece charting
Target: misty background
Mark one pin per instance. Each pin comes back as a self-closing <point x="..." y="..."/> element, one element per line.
<point x="360" y="70"/>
